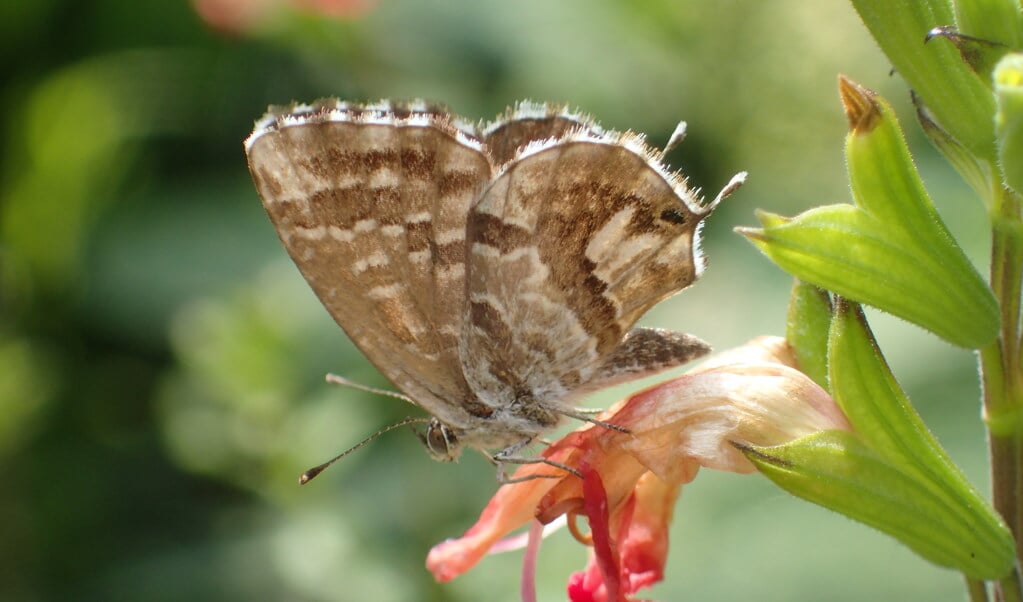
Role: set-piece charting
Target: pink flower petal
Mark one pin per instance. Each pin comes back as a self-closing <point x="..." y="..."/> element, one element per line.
<point x="750" y="395"/>
<point x="521" y="540"/>
<point x="528" y="586"/>
<point x="587" y="585"/>
<point x="511" y="507"/>
<point x="595" y="504"/>
<point x="644" y="545"/>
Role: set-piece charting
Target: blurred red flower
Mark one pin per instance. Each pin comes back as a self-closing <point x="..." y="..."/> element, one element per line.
<point x="239" y="16"/>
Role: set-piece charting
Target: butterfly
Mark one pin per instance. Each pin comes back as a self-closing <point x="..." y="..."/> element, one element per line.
<point x="494" y="272"/>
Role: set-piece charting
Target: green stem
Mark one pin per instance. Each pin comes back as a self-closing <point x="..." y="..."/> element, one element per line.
<point x="1007" y="479"/>
<point x="1000" y="368"/>
<point x="1010" y="588"/>
<point x="976" y="590"/>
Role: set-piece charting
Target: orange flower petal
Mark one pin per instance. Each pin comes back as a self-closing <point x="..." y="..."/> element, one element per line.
<point x="751" y="395"/>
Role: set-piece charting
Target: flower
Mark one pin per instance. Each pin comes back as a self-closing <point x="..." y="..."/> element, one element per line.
<point x="239" y="16"/>
<point x="749" y="396"/>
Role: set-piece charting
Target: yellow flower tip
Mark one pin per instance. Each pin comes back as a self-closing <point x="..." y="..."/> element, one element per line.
<point x="1010" y="77"/>
<point x="768" y="219"/>
<point x="1009" y="72"/>
<point x="755" y="234"/>
<point x="861" y="108"/>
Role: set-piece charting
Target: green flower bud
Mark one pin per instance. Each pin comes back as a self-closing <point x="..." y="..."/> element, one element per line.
<point x="809" y="320"/>
<point x="891" y="250"/>
<point x="888" y="472"/>
<point x="1008" y="83"/>
<point x="834" y="469"/>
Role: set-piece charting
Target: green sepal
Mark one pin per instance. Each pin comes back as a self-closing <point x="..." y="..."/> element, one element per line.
<point x="866" y="390"/>
<point x="891" y="250"/>
<point x="960" y="99"/>
<point x="979" y="53"/>
<point x="1008" y="85"/>
<point x="886" y="184"/>
<point x="997" y="21"/>
<point x="883" y="178"/>
<point x="976" y="173"/>
<point x="836" y="470"/>
<point x="842" y="249"/>
<point x="808" y="324"/>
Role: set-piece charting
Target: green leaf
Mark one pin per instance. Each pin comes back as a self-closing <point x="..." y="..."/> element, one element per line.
<point x="809" y="321"/>
<point x="961" y="101"/>
<point x="836" y="470"/>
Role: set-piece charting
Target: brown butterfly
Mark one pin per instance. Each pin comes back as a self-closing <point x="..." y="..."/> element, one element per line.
<point x="493" y="273"/>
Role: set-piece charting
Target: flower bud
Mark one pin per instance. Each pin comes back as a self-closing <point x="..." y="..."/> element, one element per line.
<point x="1008" y="80"/>
<point x="891" y="250"/>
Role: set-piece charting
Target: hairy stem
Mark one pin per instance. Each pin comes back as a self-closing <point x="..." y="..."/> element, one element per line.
<point x="1001" y="373"/>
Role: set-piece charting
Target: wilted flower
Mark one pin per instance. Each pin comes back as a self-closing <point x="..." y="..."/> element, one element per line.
<point x="749" y="396"/>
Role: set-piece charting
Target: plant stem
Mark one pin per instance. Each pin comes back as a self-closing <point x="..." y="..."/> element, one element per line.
<point x="976" y="590"/>
<point x="1010" y="587"/>
<point x="1002" y="376"/>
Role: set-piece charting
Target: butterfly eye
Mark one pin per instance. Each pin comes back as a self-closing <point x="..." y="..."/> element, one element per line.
<point x="441" y="442"/>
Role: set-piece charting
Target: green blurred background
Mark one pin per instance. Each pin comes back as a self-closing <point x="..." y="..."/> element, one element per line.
<point x="162" y="361"/>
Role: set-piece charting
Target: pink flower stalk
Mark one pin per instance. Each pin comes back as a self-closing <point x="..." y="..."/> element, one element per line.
<point x="751" y="395"/>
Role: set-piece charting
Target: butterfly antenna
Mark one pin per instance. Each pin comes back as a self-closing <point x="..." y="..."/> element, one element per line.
<point x="676" y="137"/>
<point x="334" y="379"/>
<point x="737" y="180"/>
<point x="310" y="474"/>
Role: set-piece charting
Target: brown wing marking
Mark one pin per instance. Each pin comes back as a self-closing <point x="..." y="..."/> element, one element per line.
<point x="593" y="234"/>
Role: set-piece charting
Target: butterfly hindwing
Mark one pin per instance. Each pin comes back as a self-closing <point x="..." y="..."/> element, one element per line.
<point x="568" y="247"/>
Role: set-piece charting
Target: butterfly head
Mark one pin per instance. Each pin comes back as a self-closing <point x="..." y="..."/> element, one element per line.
<point x="441" y="442"/>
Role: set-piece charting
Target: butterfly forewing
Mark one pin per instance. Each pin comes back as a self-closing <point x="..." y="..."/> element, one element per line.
<point x="373" y="213"/>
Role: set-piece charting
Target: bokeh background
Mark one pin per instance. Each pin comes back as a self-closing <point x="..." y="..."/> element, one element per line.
<point x="162" y="361"/>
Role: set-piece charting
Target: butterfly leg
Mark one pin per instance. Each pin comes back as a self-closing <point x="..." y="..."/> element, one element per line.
<point x="505" y="479"/>
<point x="509" y="455"/>
<point x="585" y="414"/>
